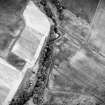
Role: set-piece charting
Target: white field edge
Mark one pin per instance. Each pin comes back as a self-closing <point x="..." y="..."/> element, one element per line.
<point x="44" y="36"/>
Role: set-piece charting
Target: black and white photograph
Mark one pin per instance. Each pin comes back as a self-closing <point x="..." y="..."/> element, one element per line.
<point x="52" y="52"/>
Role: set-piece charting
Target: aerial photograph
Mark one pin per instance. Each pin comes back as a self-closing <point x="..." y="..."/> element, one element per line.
<point x="52" y="52"/>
